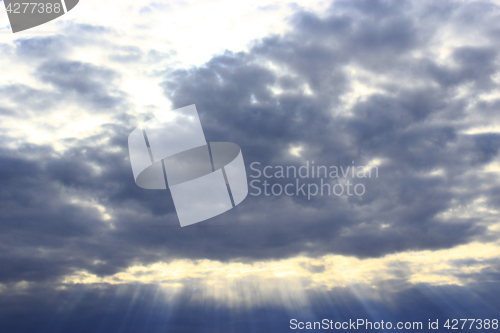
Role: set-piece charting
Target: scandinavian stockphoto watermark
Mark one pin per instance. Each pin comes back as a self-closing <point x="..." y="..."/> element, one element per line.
<point x="25" y="14"/>
<point x="310" y="179"/>
<point x="205" y="179"/>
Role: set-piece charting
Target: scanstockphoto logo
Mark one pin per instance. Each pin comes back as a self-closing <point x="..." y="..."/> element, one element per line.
<point x="24" y="14"/>
<point x="205" y="179"/>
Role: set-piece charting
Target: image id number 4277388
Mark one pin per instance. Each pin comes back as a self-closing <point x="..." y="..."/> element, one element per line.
<point x="34" y="7"/>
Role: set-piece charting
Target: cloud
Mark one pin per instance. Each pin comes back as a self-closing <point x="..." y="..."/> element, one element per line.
<point x="140" y="307"/>
<point x="409" y="87"/>
<point x="401" y="125"/>
<point x="291" y="90"/>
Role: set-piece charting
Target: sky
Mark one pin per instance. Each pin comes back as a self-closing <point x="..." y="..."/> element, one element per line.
<point x="410" y="88"/>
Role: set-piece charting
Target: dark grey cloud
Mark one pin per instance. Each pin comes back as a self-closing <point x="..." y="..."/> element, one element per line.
<point x="406" y="126"/>
<point x="41" y="47"/>
<point x="84" y="81"/>
<point x="403" y="127"/>
<point x="33" y="100"/>
<point x="416" y="126"/>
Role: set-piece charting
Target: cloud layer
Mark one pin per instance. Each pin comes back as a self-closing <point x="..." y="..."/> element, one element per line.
<point x="410" y="87"/>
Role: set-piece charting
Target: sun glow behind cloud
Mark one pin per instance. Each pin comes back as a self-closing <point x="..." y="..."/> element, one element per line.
<point x="285" y="281"/>
<point x="134" y="47"/>
<point x="196" y="30"/>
